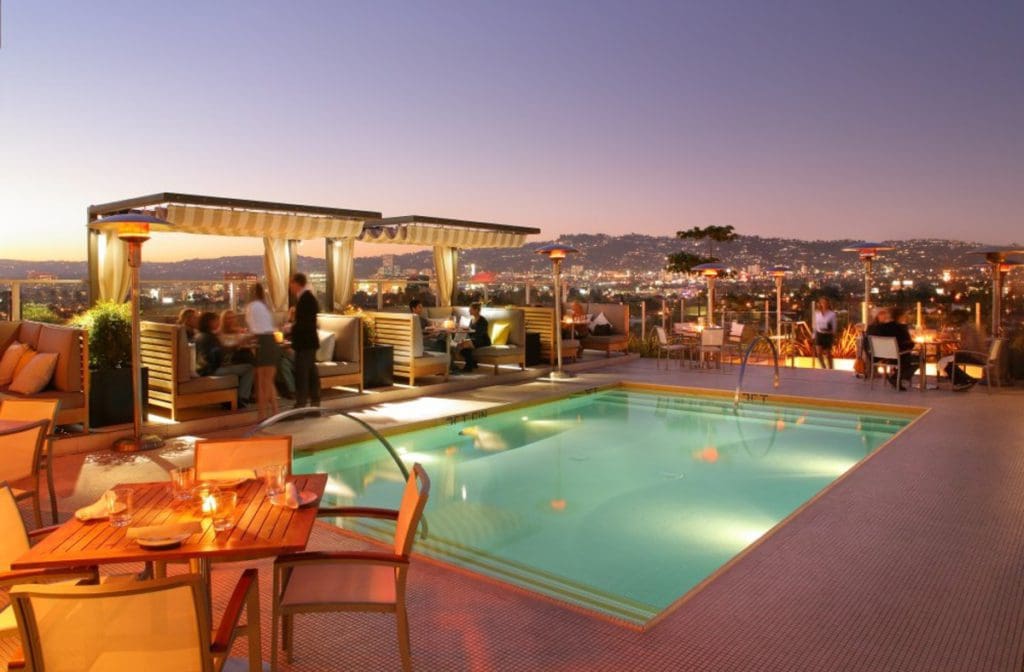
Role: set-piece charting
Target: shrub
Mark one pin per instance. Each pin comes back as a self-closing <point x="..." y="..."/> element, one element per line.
<point x="110" y="334"/>
<point x="40" y="312"/>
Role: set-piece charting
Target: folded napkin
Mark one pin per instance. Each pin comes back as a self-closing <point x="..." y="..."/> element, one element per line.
<point x="228" y="475"/>
<point x="164" y="531"/>
<point x="95" y="511"/>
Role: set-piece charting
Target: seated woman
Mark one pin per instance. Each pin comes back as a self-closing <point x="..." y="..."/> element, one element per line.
<point x="237" y="342"/>
<point x="478" y="337"/>
<point x="189" y="318"/>
<point x="210" y="358"/>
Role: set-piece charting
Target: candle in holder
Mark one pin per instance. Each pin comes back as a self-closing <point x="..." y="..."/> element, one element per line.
<point x="449" y="324"/>
<point x="204" y="498"/>
<point x="279" y="337"/>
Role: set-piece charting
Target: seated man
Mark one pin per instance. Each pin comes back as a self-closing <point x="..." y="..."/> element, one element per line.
<point x="890" y="323"/>
<point x="972" y="345"/>
<point x="431" y="340"/>
<point x="478" y="337"/>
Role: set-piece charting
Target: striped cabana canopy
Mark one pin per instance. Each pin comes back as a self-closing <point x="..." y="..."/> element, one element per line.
<point x="443" y="232"/>
<point x="213" y="215"/>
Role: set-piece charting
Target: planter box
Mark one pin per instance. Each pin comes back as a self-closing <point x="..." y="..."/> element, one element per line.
<point x="110" y="396"/>
<point x="378" y="366"/>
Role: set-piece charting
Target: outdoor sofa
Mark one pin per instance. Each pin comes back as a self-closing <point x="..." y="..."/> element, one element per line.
<point x="541" y="320"/>
<point x="402" y="332"/>
<point x="343" y="365"/>
<point x="507" y="330"/>
<point x="617" y="314"/>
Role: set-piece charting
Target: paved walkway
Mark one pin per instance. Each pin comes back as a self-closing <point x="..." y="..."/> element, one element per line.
<point x="911" y="562"/>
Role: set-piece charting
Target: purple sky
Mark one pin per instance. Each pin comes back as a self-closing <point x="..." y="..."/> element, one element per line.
<point x="814" y="120"/>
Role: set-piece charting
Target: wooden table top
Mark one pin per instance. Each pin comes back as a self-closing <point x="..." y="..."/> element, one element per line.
<point x="262" y="529"/>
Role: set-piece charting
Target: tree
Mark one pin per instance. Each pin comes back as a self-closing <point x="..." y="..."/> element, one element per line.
<point x="683" y="262"/>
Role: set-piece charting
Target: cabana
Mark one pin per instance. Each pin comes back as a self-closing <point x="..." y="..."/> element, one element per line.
<point x="281" y="225"/>
<point x="447" y="237"/>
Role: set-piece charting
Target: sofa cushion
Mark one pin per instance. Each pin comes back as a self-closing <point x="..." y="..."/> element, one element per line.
<point x="36" y="374"/>
<point x="27" y="355"/>
<point x="68" y="400"/>
<point x="494" y="350"/>
<point x="604" y="340"/>
<point x="347" y="330"/>
<point x="8" y="334"/>
<point x="499" y="332"/>
<point x="432" y="359"/>
<point x="208" y="384"/>
<point x="29" y="333"/>
<point x="65" y="342"/>
<point x="328" y="369"/>
<point x="185" y="363"/>
<point x="325" y="351"/>
<point x="9" y="360"/>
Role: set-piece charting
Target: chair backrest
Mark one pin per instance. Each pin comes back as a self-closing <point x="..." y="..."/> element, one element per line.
<point x="414" y="498"/>
<point x="885" y="347"/>
<point x="736" y="332"/>
<point x="20" y="451"/>
<point x="12" y="529"/>
<point x="249" y="453"/>
<point x="712" y="337"/>
<point x="30" y="409"/>
<point x="662" y="338"/>
<point x="139" y="625"/>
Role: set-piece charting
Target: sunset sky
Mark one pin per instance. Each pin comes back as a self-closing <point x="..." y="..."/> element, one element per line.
<point x="804" y="119"/>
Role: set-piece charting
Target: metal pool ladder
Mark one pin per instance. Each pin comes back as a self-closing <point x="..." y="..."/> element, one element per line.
<point x="327" y="412"/>
<point x="743" y="366"/>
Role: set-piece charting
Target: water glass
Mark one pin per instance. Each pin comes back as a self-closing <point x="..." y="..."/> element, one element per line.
<point x="274" y="477"/>
<point x="223" y="514"/>
<point x="119" y="506"/>
<point x="183" y="480"/>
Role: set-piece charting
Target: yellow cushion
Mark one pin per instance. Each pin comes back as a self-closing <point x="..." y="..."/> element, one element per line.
<point x="499" y="332"/>
<point x="35" y="375"/>
<point x="10" y="360"/>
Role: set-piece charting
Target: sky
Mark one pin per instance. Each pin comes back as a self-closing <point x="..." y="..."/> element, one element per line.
<point x="800" y="119"/>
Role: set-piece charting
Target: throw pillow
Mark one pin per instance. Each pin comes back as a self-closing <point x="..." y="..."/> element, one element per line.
<point x="500" y="330"/>
<point x="325" y="353"/>
<point x="36" y="374"/>
<point x="603" y="330"/>
<point x="599" y="321"/>
<point x="26" y="356"/>
<point x="10" y="359"/>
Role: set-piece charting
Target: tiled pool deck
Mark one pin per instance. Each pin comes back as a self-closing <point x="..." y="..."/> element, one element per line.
<point x="911" y="562"/>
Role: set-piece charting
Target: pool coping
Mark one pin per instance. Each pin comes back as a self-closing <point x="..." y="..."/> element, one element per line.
<point x="914" y="413"/>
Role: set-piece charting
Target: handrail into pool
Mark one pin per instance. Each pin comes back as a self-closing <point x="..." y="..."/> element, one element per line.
<point x="326" y="412"/>
<point x="743" y="365"/>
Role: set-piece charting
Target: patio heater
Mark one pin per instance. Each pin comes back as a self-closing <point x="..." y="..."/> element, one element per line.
<point x="998" y="261"/>
<point x="779" y="273"/>
<point x="711" y="271"/>
<point x="867" y="252"/>
<point x="556" y="252"/>
<point x="133" y="228"/>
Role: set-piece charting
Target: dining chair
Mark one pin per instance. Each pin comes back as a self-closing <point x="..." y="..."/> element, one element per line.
<point x="160" y="625"/>
<point x="214" y="455"/>
<point x="712" y="341"/>
<point x="38" y="409"/>
<point x="991" y="367"/>
<point x="317" y="582"/>
<point x="734" y="341"/>
<point x="664" y="345"/>
<point x="885" y="352"/>
<point x="16" y="542"/>
<point x="20" y="455"/>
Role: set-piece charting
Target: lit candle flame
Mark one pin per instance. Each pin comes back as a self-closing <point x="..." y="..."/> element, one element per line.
<point x="209" y="504"/>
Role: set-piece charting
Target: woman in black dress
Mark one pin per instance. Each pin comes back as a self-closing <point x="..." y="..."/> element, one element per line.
<point x="478" y="337"/>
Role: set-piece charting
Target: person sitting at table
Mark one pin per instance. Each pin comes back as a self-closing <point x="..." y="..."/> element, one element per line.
<point x="432" y="340"/>
<point x="895" y="327"/>
<point x="210" y="358"/>
<point x="578" y="326"/>
<point x="237" y="341"/>
<point x="189" y="318"/>
<point x="972" y="343"/>
<point x="478" y="337"/>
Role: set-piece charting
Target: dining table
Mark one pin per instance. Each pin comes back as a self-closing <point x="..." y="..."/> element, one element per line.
<point x="926" y="346"/>
<point x="262" y="529"/>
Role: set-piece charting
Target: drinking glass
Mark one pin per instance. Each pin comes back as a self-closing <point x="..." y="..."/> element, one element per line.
<point x="183" y="480"/>
<point x="223" y="514"/>
<point x="119" y="506"/>
<point x="274" y="476"/>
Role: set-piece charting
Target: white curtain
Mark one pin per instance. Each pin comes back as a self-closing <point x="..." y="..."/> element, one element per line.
<point x="112" y="267"/>
<point x="275" y="266"/>
<point x="342" y="263"/>
<point x="446" y="266"/>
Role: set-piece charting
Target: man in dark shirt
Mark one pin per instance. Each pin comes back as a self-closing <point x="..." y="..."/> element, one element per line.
<point x="895" y="328"/>
<point x="305" y="342"/>
<point x="431" y="341"/>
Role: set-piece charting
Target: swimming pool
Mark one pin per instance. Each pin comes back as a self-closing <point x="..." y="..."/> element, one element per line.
<point x="620" y="500"/>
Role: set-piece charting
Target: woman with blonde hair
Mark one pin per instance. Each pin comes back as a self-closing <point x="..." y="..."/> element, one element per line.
<point x="824" y="332"/>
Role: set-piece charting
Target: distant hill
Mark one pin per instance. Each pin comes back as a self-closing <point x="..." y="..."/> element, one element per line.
<point x="634" y="252"/>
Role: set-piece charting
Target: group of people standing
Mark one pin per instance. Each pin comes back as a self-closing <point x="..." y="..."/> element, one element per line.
<point x="253" y="354"/>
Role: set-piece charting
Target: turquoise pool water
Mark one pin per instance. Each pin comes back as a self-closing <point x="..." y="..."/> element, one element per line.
<point x="619" y="501"/>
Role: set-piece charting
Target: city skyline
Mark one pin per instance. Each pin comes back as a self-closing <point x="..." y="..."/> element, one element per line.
<point x="799" y="120"/>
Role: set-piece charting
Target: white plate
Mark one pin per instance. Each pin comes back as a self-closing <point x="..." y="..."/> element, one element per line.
<point x="163" y="542"/>
<point x="228" y="485"/>
<point x="305" y="497"/>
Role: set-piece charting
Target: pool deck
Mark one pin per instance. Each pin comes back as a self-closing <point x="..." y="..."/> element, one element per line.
<point x="913" y="561"/>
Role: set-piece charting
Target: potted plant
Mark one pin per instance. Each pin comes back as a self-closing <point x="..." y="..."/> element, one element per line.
<point x="110" y="362"/>
<point x="378" y="360"/>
